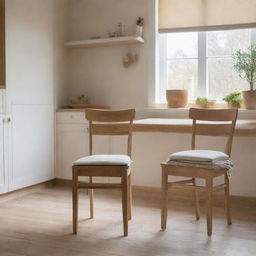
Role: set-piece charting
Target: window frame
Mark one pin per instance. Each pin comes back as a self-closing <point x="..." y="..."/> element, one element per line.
<point x="202" y="86"/>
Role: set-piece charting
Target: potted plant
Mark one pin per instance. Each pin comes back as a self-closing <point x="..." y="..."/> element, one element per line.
<point x="245" y="65"/>
<point x="139" y="27"/>
<point x="203" y="102"/>
<point x="177" y="98"/>
<point x="234" y="100"/>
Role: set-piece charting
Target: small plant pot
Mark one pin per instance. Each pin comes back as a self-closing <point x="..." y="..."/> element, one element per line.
<point x="249" y="99"/>
<point x="209" y="104"/>
<point x="177" y="98"/>
<point x="229" y="105"/>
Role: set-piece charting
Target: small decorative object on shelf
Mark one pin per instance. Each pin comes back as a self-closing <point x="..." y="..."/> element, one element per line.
<point x="245" y="66"/>
<point x="177" y="98"/>
<point x="129" y="59"/>
<point x="120" y="31"/>
<point x="203" y="102"/>
<point x="94" y="37"/>
<point x="139" y="27"/>
<point x="80" y="101"/>
<point x="112" y="34"/>
<point x="234" y="100"/>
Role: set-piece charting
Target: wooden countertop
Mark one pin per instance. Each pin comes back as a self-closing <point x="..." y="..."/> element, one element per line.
<point x="67" y="109"/>
<point x="243" y="127"/>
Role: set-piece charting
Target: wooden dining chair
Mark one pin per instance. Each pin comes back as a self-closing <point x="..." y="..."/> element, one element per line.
<point x="206" y="122"/>
<point x="106" y="122"/>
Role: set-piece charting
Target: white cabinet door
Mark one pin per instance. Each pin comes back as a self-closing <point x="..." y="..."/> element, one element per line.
<point x="32" y="145"/>
<point x="3" y="169"/>
<point x="72" y="144"/>
<point x="30" y="78"/>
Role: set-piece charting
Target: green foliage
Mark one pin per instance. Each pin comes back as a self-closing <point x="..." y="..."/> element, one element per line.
<point x="245" y="64"/>
<point x="140" y="21"/>
<point x="202" y="99"/>
<point x="235" y="99"/>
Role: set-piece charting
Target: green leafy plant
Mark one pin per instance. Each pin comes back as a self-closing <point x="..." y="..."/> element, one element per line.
<point x="234" y="99"/>
<point x="140" y="21"/>
<point x="202" y="99"/>
<point x="245" y="65"/>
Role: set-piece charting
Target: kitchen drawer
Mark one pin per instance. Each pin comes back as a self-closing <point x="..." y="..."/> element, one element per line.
<point x="71" y="117"/>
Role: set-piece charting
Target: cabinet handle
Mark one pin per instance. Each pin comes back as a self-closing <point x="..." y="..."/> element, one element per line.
<point x="8" y="119"/>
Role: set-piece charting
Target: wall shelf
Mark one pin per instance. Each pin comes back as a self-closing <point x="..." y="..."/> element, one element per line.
<point x="105" y="42"/>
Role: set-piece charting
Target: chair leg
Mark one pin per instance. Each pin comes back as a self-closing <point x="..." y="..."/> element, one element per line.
<point x="125" y="191"/>
<point x="164" y="199"/>
<point x="91" y="200"/>
<point x="209" y="185"/>
<point x="129" y="198"/>
<point x="227" y="200"/>
<point x="196" y="201"/>
<point x="75" y="199"/>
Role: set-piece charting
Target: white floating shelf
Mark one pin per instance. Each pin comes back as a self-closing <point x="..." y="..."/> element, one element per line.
<point x="105" y="42"/>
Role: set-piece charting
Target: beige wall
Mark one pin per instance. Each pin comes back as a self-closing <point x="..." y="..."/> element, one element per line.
<point x="60" y="22"/>
<point x="98" y="72"/>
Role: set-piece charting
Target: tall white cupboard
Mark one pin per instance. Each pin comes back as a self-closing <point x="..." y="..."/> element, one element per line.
<point x="27" y="103"/>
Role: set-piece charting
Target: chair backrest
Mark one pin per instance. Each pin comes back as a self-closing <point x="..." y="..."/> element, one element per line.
<point x="214" y="122"/>
<point x="110" y="122"/>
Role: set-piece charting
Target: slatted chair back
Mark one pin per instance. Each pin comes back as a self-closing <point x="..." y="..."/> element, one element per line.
<point x="214" y="122"/>
<point x="110" y="122"/>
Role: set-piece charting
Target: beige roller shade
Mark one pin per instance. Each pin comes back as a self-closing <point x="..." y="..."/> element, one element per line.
<point x="204" y="15"/>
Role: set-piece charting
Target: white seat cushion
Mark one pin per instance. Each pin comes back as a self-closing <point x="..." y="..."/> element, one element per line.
<point x="202" y="156"/>
<point x="104" y="160"/>
<point x="208" y="159"/>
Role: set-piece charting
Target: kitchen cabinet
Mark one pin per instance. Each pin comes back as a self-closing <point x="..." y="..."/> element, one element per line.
<point x="72" y="142"/>
<point x="27" y="110"/>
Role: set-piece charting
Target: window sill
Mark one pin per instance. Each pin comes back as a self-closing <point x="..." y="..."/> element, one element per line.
<point x="162" y="108"/>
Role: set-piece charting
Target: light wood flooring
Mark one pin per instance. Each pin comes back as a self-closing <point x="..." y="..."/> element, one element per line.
<point x="39" y="223"/>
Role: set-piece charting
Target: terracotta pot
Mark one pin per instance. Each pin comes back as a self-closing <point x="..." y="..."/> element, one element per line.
<point x="249" y="99"/>
<point x="229" y="105"/>
<point x="209" y="104"/>
<point x="177" y="98"/>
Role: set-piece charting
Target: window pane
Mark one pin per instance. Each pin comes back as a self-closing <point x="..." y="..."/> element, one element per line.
<point x="222" y="43"/>
<point x="182" y="74"/>
<point x="222" y="79"/>
<point x="181" y="45"/>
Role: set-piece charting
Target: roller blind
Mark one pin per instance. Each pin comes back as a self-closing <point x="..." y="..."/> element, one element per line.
<point x="204" y="15"/>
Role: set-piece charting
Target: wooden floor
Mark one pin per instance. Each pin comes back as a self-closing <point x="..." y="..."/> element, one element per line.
<point x="39" y="223"/>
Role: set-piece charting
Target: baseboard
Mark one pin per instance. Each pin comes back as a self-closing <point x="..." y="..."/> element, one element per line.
<point x="27" y="190"/>
<point x="154" y="193"/>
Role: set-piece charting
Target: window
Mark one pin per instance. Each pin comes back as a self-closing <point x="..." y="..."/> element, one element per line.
<point x="201" y="62"/>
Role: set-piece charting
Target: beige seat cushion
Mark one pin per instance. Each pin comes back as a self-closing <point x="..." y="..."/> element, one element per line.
<point x="208" y="159"/>
<point x="104" y="160"/>
<point x="202" y="156"/>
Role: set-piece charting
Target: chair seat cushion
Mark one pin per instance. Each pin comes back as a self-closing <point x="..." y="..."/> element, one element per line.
<point x="104" y="160"/>
<point x="206" y="159"/>
<point x="204" y="156"/>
